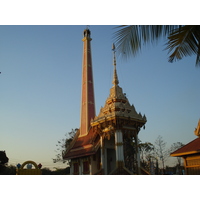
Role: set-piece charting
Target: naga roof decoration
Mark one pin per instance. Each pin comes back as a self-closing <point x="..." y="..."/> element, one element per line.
<point x="197" y="130"/>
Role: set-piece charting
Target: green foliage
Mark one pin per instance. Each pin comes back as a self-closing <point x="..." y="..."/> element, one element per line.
<point x="183" y="40"/>
<point x="130" y="39"/>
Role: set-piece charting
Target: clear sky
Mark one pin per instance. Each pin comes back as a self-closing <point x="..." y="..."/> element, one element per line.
<point x="40" y="88"/>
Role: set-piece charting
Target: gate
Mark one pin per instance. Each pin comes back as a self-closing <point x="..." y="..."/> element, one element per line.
<point x="29" y="170"/>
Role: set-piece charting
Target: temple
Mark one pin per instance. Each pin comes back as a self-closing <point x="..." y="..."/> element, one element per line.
<point x="107" y="143"/>
<point x="190" y="154"/>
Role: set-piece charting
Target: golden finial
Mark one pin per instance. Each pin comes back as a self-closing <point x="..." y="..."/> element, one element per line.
<point x="86" y="32"/>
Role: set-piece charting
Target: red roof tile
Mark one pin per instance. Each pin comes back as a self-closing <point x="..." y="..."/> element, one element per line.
<point x="192" y="147"/>
<point x="83" y="146"/>
<point x="79" y="153"/>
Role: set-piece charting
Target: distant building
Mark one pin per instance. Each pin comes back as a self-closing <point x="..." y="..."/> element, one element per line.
<point x="191" y="154"/>
<point x="104" y="143"/>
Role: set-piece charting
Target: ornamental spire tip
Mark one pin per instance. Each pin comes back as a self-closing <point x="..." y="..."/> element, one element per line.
<point x="115" y="77"/>
<point x="86" y="32"/>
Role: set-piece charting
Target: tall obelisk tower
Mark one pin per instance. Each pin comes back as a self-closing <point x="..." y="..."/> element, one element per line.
<point x="87" y="99"/>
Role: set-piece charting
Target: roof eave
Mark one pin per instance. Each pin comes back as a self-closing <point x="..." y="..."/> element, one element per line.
<point x="79" y="156"/>
<point x="184" y="153"/>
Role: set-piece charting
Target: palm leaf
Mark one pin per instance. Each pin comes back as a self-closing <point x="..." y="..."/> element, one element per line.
<point x="184" y="42"/>
<point x="130" y="39"/>
<point x="127" y="40"/>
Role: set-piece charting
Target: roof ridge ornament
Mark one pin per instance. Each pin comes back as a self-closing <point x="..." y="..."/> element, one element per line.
<point x="115" y="77"/>
<point x="197" y="129"/>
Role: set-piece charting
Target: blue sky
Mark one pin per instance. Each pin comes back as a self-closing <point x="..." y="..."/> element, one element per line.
<point x="40" y="88"/>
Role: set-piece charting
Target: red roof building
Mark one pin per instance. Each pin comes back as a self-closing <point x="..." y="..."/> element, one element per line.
<point x="191" y="154"/>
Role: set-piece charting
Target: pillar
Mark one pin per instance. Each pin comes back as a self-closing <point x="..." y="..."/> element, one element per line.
<point x="71" y="168"/>
<point x="90" y="166"/>
<point x="102" y="154"/>
<point x="137" y="154"/>
<point x="119" y="148"/>
<point x="80" y="167"/>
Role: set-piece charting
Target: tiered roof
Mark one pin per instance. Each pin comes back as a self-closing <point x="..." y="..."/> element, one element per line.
<point x="117" y="104"/>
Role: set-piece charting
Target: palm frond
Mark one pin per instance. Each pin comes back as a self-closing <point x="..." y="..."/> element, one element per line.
<point x="184" y="42"/>
<point x="130" y="39"/>
<point x="127" y="40"/>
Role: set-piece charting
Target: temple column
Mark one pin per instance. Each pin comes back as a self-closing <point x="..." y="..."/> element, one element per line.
<point x="80" y="167"/>
<point x="90" y="166"/>
<point x="71" y="168"/>
<point x="137" y="154"/>
<point x="119" y="148"/>
<point x="102" y="154"/>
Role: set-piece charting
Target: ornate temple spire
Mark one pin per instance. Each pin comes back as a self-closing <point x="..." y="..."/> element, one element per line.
<point x="115" y="77"/>
<point x="117" y="104"/>
<point x="87" y="99"/>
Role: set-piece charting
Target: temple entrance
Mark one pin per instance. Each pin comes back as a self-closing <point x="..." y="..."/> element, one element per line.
<point x="111" y="160"/>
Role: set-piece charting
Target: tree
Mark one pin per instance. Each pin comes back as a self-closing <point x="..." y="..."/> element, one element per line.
<point x="3" y="158"/>
<point x="183" y="40"/>
<point x="63" y="144"/>
<point x="160" y="151"/>
<point x="174" y="147"/>
<point x="146" y="154"/>
<point x="65" y="171"/>
<point x="3" y="162"/>
<point x="146" y="150"/>
<point x="47" y="171"/>
<point x="8" y="170"/>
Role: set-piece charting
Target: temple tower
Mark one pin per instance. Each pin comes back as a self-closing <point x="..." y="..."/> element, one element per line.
<point x="118" y="125"/>
<point x="87" y="96"/>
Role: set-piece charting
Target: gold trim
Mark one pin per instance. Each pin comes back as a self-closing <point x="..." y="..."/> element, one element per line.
<point x="184" y="154"/>
<point x="86" y="38"/>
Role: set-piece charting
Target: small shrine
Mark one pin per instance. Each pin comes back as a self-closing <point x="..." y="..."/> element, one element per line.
<point x="191" y="154"/>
